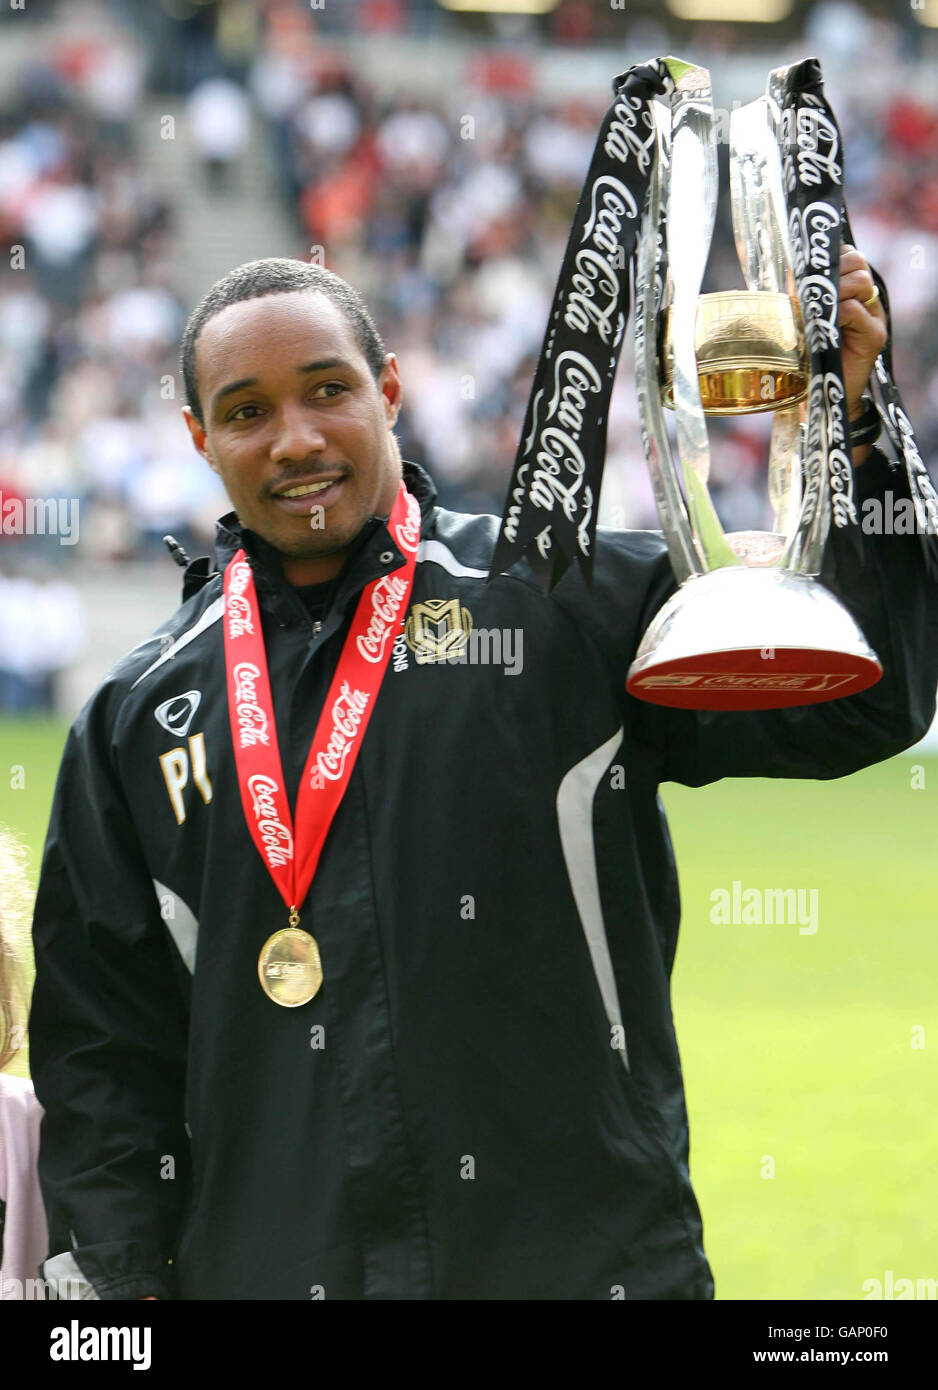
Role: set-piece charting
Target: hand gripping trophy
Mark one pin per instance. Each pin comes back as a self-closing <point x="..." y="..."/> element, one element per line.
<point x="751" y="626"/>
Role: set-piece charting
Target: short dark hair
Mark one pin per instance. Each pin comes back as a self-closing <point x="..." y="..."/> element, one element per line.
<point x="277" y="275"/>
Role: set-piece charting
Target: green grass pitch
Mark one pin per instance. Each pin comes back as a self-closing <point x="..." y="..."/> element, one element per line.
<point x="809" y="1059"/>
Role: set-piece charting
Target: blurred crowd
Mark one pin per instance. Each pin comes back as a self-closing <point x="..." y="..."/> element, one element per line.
<point x="450" y="214"/>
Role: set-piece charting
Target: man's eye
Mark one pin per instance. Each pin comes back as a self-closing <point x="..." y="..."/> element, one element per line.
<point x="330" y="388"/>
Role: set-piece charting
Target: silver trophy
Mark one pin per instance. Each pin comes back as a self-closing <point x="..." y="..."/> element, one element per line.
<point x="750" y="626"/>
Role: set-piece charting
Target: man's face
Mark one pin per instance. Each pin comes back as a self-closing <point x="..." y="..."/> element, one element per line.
<point x="290" y="406"/>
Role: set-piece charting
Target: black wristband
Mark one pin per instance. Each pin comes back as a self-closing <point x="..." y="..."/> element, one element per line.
<point x="867" y="427"/>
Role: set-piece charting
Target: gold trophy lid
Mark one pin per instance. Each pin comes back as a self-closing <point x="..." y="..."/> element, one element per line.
<point x="750" y="352"/>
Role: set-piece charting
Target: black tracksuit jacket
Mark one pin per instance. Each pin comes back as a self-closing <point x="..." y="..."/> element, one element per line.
<point x="484" y="1100"/>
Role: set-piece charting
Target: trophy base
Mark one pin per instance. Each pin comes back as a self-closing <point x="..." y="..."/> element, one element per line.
<point x="748" y="639"/>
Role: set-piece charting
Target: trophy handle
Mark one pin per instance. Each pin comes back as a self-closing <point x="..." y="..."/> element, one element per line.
<point x="805" y="549"/>
<point x="785" y="469"/>
<point x="684" y="553"/>
<point x="760" y="226"/>
<point x="691" y="213"/>
<point x="760" y="220"/>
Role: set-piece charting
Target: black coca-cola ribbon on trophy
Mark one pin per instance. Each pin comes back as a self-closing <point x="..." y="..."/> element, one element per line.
<point x="812" y="156"/>
<point x="812" y="167"/>
<point x="553" y="496"/>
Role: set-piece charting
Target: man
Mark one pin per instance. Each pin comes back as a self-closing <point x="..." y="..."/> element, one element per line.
<point x="469" y="1084"/>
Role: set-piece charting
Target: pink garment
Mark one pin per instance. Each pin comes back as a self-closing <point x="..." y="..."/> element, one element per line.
<point x="25" y="1239"/>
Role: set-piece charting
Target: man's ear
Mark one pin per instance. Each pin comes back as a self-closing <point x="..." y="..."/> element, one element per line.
<point x="198" y="436"/>
<point x="390" y="387"/>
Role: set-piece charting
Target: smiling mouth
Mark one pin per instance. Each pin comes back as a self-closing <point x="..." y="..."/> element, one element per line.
<point x="308" y="489"/>
<point x="302" y="496"/>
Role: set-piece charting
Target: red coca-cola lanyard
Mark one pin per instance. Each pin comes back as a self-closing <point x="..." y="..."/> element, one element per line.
<point x="291" y="855"/>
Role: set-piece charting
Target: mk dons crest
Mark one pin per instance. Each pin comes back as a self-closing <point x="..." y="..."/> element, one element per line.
<point x="437" y="629"/>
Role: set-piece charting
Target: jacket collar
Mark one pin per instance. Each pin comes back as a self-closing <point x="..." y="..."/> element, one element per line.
<point x="361" y="566"/>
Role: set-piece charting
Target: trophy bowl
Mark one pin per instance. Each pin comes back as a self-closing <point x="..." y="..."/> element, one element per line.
<point x="750" y="352"/>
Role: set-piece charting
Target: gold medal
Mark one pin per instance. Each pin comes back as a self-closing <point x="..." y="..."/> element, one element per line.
<point x="289" y="843"/>
<point x="288" y="967"/>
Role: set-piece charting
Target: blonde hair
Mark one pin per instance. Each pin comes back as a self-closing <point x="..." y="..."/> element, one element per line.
<point x="14" y="910"/>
